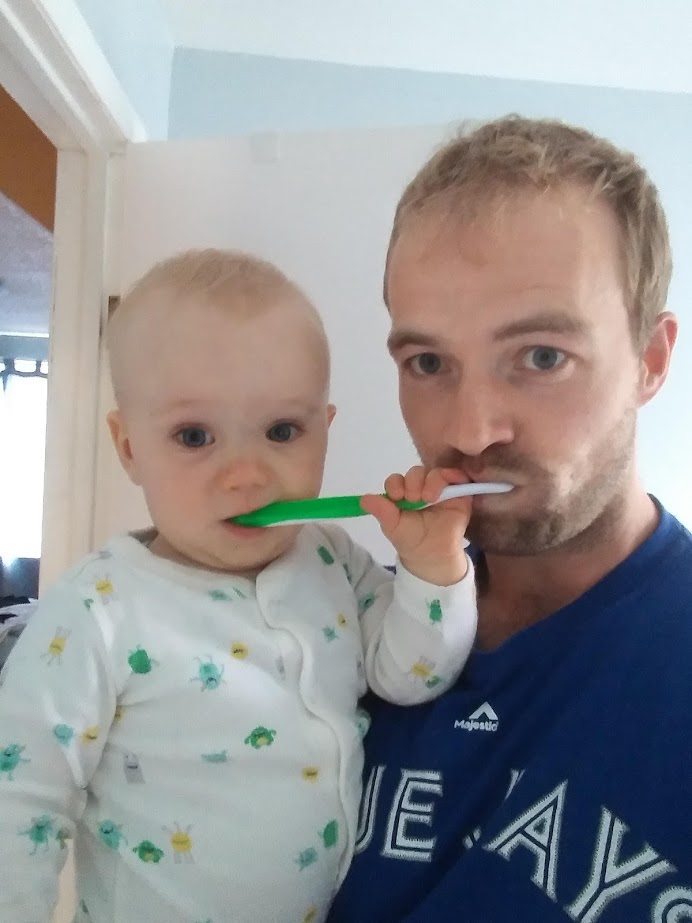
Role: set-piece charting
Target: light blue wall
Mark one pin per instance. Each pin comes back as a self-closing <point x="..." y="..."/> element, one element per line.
<point x="217" y="94"/>
<point x="133" y="35"/>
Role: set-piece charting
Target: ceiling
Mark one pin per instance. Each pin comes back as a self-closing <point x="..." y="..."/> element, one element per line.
<point x="634" y="44"/>
<point x="26" y="256"/>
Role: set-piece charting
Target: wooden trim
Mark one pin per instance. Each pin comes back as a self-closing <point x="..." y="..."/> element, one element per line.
<point x="28" y="163"/>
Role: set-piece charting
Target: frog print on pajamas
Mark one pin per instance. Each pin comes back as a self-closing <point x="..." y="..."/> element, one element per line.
<point x="208" y="674"/>
<point x="225" y="597"/>
<point x="365" y="603"/>
<point x="111" y="834"/>
<point x="148" y="852"/>
<point x="220" y="756"/>
<point x="40" y="832"/>
<point x="330" y="834"/>
<point x="435" y="611"/>
<point x="325" y="554"/>
<point x="64" y="734"/>
<point x="307" y="858"/>
<point x="140" y="661"/>
<point x="10" y="759"/>
<point x="260" y="737"/>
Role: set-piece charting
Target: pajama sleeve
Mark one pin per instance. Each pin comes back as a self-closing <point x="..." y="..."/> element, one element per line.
<point x="57" y="702"/>
<point x="416" y="636"/>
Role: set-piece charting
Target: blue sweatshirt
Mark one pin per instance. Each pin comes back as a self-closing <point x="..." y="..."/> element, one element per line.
<point x="554" y="782"/>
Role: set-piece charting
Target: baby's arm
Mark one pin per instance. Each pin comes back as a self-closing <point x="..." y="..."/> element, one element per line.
<point x="416" y="635"/>
<point x="56" y="706"/>
<point x="416" y="648"/>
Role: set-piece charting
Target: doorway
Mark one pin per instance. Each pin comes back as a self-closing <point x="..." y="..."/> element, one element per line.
<point x="28" y="169"/>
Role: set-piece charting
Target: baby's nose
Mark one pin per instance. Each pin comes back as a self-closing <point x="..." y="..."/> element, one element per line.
<point x="243" y="473"/>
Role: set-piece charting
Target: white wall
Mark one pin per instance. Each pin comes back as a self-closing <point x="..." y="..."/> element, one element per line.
<point x="323" y="212"/>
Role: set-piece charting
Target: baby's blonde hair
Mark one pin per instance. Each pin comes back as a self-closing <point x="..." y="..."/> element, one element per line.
<point x="240" y="282"/>
<point x="230" y="277"/>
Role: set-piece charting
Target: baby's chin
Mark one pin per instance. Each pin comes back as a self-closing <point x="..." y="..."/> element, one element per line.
<point x="245" y="552"/>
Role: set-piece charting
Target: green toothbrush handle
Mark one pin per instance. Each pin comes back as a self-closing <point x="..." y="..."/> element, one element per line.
<point x="317" y="508"/>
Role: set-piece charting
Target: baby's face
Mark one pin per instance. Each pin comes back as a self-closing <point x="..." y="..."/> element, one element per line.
<point x="221" y="415"/>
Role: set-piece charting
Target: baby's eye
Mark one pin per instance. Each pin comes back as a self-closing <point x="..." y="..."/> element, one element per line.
<point x="282" y="432"/>
<point x="543" y="358"/>
<point x="194" y="437"/>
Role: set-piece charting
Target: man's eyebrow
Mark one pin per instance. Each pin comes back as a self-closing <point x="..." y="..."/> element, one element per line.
<point x="545" y="322"/>
<point x="557" y="322"/>
<point x="407" y="336"/>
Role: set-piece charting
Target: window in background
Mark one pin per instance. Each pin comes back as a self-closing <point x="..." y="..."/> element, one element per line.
<point x="22" y="449"/>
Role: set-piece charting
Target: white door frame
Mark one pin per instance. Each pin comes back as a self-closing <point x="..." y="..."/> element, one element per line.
<point x="53" y="67"/>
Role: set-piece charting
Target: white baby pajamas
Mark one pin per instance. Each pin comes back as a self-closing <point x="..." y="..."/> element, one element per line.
<point x="198" y="734"/>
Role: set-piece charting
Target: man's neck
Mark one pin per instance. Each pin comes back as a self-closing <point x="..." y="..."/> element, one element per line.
<point x="515" y="592"/>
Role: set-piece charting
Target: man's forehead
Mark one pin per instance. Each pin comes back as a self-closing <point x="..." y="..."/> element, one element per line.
<point x="547" y="254"/>
<point x="547" y="226"/>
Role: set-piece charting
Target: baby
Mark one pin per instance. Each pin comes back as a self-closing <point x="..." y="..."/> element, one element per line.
<point x="184" y="704"/>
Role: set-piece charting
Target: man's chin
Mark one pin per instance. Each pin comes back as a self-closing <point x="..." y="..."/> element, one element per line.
<point x="515" y="536"/>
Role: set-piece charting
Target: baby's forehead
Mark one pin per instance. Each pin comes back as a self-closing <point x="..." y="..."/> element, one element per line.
<point x="237" y="305"/>
<point x="161" y="323"/>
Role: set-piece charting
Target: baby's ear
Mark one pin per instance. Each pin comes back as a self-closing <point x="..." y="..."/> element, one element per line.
<point x="331" y="413"/>
<point x="121" y="441"/>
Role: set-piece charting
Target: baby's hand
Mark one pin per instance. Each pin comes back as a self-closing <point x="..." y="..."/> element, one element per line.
<point x="429" y="542"/>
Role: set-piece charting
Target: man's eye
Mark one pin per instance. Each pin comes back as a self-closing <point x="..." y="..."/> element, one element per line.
<point x="282" y="432"/>
<point x="194" y="437"/>
<point x="543" y="358"/>
<point x="425" y="364"/>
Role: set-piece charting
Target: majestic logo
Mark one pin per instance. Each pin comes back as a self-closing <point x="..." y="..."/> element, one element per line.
<point x="483" y="719"/>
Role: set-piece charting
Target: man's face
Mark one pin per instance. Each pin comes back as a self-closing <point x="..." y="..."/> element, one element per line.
<point x="516" y="363"/>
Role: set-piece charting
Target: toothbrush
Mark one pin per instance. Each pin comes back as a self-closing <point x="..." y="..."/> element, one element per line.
<point x="292" y="512"/>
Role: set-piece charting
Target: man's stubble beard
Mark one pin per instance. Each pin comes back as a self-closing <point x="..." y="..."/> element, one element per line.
<point x="581" y="515"/>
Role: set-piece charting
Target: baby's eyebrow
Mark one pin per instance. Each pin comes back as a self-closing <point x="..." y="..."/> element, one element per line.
<point x="297" y="406"/>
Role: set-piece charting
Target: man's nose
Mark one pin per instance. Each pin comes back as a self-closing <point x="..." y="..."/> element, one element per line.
<point x="478" y="417"/>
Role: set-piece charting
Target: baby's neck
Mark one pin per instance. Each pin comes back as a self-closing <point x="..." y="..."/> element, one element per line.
<point x="162" y="548"/>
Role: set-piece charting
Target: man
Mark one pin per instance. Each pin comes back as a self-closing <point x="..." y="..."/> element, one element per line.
<point x="526" y="281"/>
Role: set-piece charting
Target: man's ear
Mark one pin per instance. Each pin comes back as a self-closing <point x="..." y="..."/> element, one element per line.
<point x="655" y="360"/>
<point x="331" y="413"/>
<point x="121" y="441"/>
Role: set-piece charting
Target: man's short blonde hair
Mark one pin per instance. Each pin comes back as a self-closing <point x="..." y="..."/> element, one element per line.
<point x="488" y="164"/>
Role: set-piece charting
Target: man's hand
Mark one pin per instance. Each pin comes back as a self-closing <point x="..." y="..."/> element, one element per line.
<point x="429" y="542"/>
